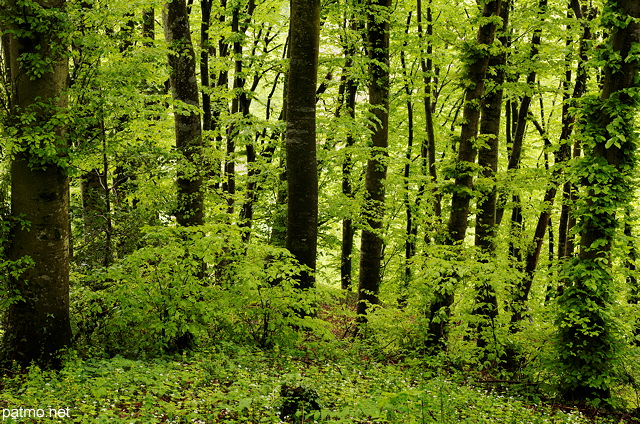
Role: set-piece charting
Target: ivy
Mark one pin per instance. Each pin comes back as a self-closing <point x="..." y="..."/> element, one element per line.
<point x="588" y="333"/>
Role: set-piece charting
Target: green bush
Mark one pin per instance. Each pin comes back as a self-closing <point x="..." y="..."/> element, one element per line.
<point x="188" y="285"/>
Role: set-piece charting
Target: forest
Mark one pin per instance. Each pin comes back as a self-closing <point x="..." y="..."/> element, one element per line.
<point x="351" y="211"/>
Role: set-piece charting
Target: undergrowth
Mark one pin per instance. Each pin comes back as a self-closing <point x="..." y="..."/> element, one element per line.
<point x="239" y="385"/>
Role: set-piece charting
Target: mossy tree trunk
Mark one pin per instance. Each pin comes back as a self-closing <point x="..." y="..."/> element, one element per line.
<point x="587" y="335"/>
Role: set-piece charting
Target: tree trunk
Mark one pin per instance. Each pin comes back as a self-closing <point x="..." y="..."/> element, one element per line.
<point x="96" y="229"/>
<point x="149" y="26"/>
<point x="205" y="77"/>
<point x="372" y="242"/>
<point x="517" y="219"/>
<point x="587" y="337"/>
<point x="410" y="206"/>
<point x="486" y="307"/>
<point x="533" y="253"/>
<point x="38" y="324"/>
<point x="428" y="148"/>
<point x="302" y="176"/>
<point x="182" y="65"/>
<point x="188" y="130"/>
<point x="457" y="225"/>
<point x="349" y="106"/>
<point x="565" y="238"/>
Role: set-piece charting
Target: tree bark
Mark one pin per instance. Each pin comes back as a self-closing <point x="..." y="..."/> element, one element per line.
<point x="533" y="253"/>
<point x="302" y="176"/>
<point x="149" y="26"/>
<point x="205" y="77"/>
<point x="566" y="222"/>
<point x="411" y="227"/>
<point x="188" y="130"/>
<point x="428" y="148"/>
<point x="38" y="325"/>
<point x="476" y="72"/>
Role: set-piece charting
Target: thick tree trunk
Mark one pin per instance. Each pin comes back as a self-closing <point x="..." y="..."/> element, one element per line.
<point x="587" y="337"/>
<point x="372" y="242"/>
<point x="38" y="324"/>
<point x="302" y="174"/>
<point x="182" y="65"/>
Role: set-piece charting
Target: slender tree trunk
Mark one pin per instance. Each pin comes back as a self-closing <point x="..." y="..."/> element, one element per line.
<point x="517" y="219"/>
<point x="587" y="337"/>
<point x="428" y="148"/>
<point x="254" y="171"/>
<point x="188" y="130"/>
<point x="229" y="185"/>
<point x="371" y="241"/>
<point x="302" y="174"/>
<point x="410" y="206"/>
<point x="38" y="325"/>
<point x="278" y="236"/>
<point x="533" y="253"/>
<point x="632" y="270"/>
<point x="219" y="105"/>
<point x="205" y="77"/>
<point x="96" y="229"/>
<point x="348" y="231"/>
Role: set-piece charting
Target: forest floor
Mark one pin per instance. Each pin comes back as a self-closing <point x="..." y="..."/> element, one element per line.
<point x="232" y="384"/>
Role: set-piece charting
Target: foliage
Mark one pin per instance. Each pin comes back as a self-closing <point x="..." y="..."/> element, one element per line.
<point x="29" y="21"/>
<point x="236" y="385"/>
<point x="587" y="307"/>
<point x="143" y="288"/>
<point x="151" y="300"/>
